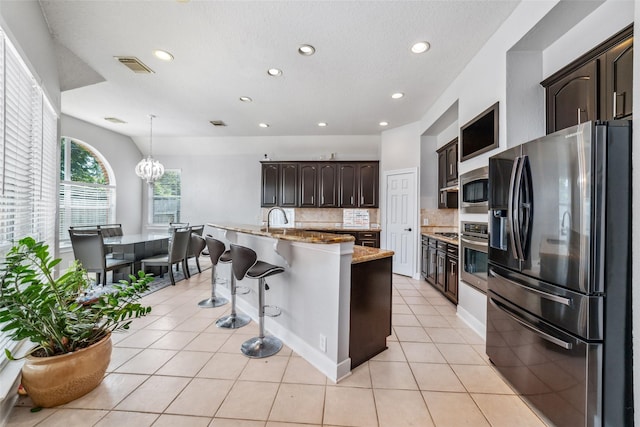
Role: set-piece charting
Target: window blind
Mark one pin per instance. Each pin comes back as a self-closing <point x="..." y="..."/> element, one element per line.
<point x="165" y="199"/>
<point x="28" y="135"/>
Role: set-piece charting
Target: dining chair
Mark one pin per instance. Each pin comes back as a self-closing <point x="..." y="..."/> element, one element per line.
<point x="196" y="246"/>
<point x="111" y="230"/>
<point x="177" y="253"/>
<point x="88" y="249"/>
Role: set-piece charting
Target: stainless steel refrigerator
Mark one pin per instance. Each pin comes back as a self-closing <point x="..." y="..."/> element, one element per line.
<point x="559" y="285"/>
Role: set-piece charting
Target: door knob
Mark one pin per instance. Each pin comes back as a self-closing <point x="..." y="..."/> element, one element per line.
<point x="407" y="229"/>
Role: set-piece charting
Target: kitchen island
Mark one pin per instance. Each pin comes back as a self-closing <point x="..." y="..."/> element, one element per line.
<point x="315" y="293"/>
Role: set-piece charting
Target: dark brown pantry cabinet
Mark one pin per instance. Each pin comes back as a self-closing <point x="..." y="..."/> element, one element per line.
<point x="596" y="86"/>
<point x="320" y="184"/>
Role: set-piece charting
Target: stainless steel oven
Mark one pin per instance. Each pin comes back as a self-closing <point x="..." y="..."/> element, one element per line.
<point x="474" y="242"/>
<point x="474" y="187"/>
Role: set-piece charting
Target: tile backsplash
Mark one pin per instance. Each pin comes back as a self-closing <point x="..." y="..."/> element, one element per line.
<point x="439" y="217"/>
<point x="317" y="217"/>
<point x="310" y="217"/>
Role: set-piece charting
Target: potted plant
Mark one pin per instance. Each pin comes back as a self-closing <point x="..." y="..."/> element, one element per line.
<point x="70" y="327"/>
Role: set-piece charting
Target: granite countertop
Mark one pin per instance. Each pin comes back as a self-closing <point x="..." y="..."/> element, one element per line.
<point x="365" y="253"/>
<point x="291" y="234"/>
<point x="431" y="232"/>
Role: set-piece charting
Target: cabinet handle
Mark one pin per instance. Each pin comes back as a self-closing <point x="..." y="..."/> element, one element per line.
<point x="351" y="199"/>
<point x="578" y="115"/>
<point x="615" y="104"/>
<point x="273" y="200"/>
<point x="322" y="200"/>
<point x="312" y="199"/>
<point x="450" y="168"/>
<point x="362" y="200"/>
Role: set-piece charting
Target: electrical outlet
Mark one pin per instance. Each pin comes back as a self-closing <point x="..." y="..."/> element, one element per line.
<point x="425" y="221"/>
<point x="323" y="343"/>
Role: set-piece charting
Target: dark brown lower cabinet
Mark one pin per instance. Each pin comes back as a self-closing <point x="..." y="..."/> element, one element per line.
<point x="370" y="322"/>
<point x="440" y="266"/>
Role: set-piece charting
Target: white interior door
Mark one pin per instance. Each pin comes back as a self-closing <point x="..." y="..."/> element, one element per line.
<point x="401" y="214"/>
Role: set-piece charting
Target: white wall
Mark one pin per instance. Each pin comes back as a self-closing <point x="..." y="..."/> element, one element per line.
<point x="25" y="26"/>
<point x="123" y="155"/>
<point x="400" y="148"/>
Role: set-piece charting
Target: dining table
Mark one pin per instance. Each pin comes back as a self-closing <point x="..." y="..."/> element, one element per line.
<point x="136" y="247"/>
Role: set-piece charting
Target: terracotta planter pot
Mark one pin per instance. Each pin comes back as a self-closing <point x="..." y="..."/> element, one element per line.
<point x="56" y="380"/>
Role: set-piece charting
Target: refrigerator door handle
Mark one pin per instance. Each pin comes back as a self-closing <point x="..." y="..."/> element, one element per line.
<point x="543" y="294"/>
<point x="525" y="206"/>
<point x="517" y="209"/>
<point x="543" y="335"/>
<point x="511" y="212"/>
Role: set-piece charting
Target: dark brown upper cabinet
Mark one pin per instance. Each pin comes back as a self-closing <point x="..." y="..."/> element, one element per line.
<point x="328" y="185"/>
<point x="348" y="194"/>
<point x="308" y="185"/>
<point x="320" y="184"/>
<point x="288" y="185"/>
<point x="573" y="99"/>
<point x="596" y="86"/>
<point x="368" y="185"/>
<point x="448" y="175"/>
<point x="279" y="184"/>
<point x="270" y="175"/>
<point x="618" y="64"/>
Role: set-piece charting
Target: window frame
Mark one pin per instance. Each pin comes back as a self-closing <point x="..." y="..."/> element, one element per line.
<point x="151" y="199"/>
<point x="65" y="208"/>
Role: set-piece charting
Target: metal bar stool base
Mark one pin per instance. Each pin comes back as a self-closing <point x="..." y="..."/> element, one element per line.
<point x="233" y="321"/>
<point x="257" y="347"/>
<point x="213" y="302"/>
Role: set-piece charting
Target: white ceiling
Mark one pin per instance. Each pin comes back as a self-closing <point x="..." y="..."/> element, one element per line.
<point x="223" y="49"/>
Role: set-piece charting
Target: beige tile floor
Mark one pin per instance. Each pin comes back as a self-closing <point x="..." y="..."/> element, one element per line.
<point x="176" y="368"/>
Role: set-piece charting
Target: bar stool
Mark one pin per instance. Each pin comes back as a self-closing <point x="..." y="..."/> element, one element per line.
<point x="233" y="320"/>
<point x="245" y="264"/>
<point x="216" y="249"/>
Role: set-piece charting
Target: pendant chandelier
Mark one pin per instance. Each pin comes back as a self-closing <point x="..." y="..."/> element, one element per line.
<point x="149" y="169"/>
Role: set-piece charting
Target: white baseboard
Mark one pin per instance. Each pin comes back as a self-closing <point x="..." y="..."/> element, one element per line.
<point x="477" y="326"/>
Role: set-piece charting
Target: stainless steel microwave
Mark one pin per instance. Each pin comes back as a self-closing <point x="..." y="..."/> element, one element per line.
<point x="474" y="189"/>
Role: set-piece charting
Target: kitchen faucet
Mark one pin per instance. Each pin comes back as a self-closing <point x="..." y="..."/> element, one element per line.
<point x="286" y="221"/>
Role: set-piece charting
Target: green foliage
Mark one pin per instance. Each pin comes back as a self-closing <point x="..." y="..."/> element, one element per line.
<point x="50" y="312"/>
<point x="84" y="166"/>
<point x="168" y="185"/>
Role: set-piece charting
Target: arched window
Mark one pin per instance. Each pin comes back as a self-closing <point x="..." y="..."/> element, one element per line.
<point x="87" y="188"/>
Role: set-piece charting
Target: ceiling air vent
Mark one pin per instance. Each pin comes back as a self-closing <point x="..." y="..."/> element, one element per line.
<point x="115" y="120"/>
<point x="217" y="123"/>
<point x="134" y="64"/>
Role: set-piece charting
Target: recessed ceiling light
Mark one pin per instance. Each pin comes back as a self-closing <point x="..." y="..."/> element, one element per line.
<point x="264" y="125"/>
<point x="322" y="124"/>
<point x="306" y="50"/>
<point x="274" y="72"/>
<point x="163" y="54"/>
<point x="397" y="95"/>
<point x="384" y="123"/>
<point x="245" y="99"/>
<point x="420" y="47"/>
